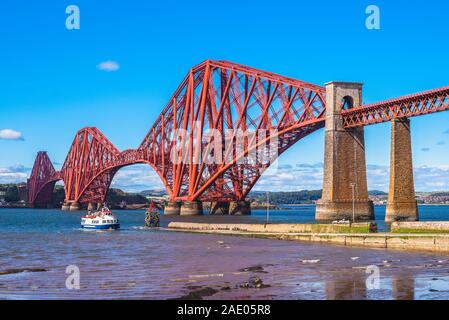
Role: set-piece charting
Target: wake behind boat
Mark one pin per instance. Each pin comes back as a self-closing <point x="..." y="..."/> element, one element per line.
<point x="100" y="220"/>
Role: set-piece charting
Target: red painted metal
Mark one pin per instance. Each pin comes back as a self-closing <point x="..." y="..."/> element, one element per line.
<point x="408" y="106"/>
<point x="87" y="170"/>
<point x="220" y="95"/>
<point x="42" y="181"/>
<point x="223" y="97"/>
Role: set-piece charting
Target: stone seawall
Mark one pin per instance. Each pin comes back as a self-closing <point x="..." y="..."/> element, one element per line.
<point x="363" y="227"/>
<point x="420" y="227"/>
<point x="411" y="242"/>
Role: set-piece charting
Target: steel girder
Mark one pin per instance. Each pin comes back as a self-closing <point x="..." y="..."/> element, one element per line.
<point x="86" y="169"/>
<point x="219" y="96"/>
<point x="404" y="107"/>
<point x="41" y="183"/>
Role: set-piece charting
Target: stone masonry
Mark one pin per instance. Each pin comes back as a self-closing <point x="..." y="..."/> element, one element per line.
<point x="344" y="160"/>
<point x="401" y="204"/>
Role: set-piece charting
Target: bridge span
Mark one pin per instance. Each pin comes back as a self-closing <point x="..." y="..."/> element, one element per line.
<point x="223" y="127"/>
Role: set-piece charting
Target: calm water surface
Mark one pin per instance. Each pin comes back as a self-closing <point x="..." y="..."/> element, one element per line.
<point x="137" y="263"/>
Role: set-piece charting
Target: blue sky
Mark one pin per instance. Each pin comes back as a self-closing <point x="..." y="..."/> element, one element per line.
<point x="51" y="86"/>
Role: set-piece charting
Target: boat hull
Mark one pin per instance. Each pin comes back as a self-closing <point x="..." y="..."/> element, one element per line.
<point x="101" y="227"/>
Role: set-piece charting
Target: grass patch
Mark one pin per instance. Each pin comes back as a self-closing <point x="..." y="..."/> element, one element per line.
<point x="419" y="231"/>
<point x="340" y="229"/>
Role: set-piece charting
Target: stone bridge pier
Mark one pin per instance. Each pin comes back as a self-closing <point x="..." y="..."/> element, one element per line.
<point x="401" y="204"/>
<point x="345" y="190"/>
<point x="194" y="208"/>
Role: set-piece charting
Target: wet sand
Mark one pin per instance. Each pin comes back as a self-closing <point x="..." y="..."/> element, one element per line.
<point x="143" y="264"/>
<point x="137" y="263"/>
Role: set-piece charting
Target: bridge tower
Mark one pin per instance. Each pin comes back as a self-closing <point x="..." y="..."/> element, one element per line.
<point x="345" y="187"/>
<point x="401" y="204"/>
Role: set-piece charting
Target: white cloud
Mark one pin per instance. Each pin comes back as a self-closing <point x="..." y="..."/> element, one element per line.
<point x="137" y="178"/>
<point x="291" y="178"/>
<point x="309" y="176"/>
<point x="108" y="66"/>
<point x="8" y="134"/>
<point x="14" y="174"/>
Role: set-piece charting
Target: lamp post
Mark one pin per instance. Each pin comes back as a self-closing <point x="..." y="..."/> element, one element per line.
<point x="268" y="207"/>
<point x="353" y="201"/>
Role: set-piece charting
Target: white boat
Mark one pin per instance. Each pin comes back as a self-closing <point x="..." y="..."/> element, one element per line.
<point x="100" y="220"/>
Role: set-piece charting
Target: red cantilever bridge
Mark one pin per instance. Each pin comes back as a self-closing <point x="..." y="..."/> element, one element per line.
<point x="220" y="96"/>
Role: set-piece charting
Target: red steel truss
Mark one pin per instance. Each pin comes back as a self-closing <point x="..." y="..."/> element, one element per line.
<point x="223" y="97"/>
<point x="87" y="170"/>
<point x="41" y="183"/>
<point x="408" y="106"/>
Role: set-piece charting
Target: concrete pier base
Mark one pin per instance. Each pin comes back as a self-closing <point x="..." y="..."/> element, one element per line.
<point x="75" y="206"/>
<point x="344" y="179"/>
<point x="401" y="211"/>
<point x="172" y="208"/>
<point x="191" y="208"/>
<point x="219" y="208"/>
<point x="401" y="204"/>
<point x="240" y="208"/>
<point x="339" y="210"/>
<point x="65" y="206"/>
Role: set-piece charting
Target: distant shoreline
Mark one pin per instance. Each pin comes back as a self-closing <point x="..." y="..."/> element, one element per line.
<point x="277" y="207"/>
<point x="297" y="205"/>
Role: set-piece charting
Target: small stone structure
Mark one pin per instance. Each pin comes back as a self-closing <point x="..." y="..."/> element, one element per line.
<point x="152" y="218"/>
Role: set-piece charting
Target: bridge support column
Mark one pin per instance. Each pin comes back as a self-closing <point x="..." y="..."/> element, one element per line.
<point x="240" y="208"/>
<point x="65" y="206"/>
<point x="401" y="204"/>
<point x="219" y="208"/>
<point x="92" y="206"/>
<point x="191" y="208"/>
<point x="75" y="206"/>
<point x="172" y="208"/>
<point x="345" y="189"/>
